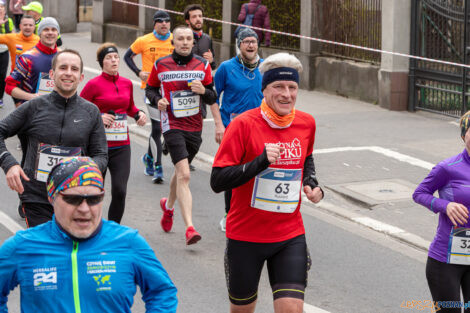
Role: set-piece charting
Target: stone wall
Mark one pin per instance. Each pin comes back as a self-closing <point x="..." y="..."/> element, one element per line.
<point x="347" y="78"/>
<point x="65" y="11"/>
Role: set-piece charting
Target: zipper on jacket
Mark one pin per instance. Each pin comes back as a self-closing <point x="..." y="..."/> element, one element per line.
<point x="76" y="293"/>
<point x="63" y="119"/>
<point x="117" y="89"/>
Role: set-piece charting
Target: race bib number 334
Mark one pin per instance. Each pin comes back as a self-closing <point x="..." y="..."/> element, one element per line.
<point x="277" y="190"/>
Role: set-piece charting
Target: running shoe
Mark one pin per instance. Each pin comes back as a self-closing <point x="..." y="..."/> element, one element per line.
<point x="192" y="168"/>
<point x="167" y="218"/>
<point x="158" y="175"/>
<point x="223" y="222"/>
<point x="148" y="162"/>
<point x="1" y="103"/>
<point x="192" y="236"/>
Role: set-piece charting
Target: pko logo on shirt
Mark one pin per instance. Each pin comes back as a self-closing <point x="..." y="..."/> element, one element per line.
<point x="292" y="152"/>
<point x="45" y="278"/>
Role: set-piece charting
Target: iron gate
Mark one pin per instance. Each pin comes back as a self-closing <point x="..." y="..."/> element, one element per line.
<point x="437" y="32"/>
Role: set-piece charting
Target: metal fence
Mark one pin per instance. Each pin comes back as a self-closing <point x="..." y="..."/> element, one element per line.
<point x="438" y="33"/>
<point x="284" y="16"/>
<point x="357" y="22"/>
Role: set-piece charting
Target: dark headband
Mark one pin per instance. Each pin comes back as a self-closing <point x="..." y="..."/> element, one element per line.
<point x="104" y="52"/>
<point x="280" y="73"/>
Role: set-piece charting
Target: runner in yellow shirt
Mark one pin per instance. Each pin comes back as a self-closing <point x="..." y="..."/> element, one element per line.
<point x="152" y="46"/>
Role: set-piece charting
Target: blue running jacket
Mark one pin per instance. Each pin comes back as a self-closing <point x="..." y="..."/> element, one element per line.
<point x="99" y="274"/>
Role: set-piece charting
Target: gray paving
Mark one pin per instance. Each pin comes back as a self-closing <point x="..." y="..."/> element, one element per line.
<point x="343" y="122"/>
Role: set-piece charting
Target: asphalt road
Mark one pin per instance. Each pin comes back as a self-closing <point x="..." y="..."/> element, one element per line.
<point x="354" y="268"/>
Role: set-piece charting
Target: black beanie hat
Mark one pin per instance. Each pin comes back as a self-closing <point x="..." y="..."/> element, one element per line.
<point x="160" y="14"/>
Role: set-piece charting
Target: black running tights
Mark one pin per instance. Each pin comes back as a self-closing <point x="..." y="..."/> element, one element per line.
<point x="155" y="141"/>
<point x="445" y="281"/>
<point x="119" y="165"/>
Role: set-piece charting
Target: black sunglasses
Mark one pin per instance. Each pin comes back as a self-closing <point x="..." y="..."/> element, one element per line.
<point x="161" y="20"/>
<point x="76" y="200"/>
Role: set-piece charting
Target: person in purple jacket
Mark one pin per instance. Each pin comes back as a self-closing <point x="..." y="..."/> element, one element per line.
<point x="260" y="19"/>
<point x="447" y="268"/>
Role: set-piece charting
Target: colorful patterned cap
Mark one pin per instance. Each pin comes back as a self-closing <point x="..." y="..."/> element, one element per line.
<point x="464" y="124"/>
<point x="72" y="172"/>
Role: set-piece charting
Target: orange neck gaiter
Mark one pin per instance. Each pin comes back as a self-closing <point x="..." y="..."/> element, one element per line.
<point x="274" y="120"/>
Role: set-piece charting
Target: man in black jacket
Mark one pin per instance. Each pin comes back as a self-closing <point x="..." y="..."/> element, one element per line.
<point x="193" y="15"/>
<point x="56" y="125"/>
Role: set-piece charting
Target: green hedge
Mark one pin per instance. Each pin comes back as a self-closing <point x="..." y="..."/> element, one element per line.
<point x="212" y="9"/>
<point x="284" y="16"/>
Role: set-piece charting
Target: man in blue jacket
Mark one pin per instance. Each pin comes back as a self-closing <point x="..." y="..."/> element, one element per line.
<point x="240" y="82"/>
<point x="79" y="262"/>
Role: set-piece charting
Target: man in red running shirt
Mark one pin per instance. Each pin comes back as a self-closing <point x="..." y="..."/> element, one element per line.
<point x="265" y="157"/>
<point x="178" y="84"/>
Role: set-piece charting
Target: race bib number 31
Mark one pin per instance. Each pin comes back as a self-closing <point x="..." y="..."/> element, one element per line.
<point x="277" y="190"/>
<point x="185" y="103"/>
<point x="49" y="155"/>
<point x="118" y="130"/>
<point x="459" y="246"/>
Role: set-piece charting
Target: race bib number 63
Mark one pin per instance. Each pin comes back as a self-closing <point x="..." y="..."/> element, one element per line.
<point x="277" y="190"/>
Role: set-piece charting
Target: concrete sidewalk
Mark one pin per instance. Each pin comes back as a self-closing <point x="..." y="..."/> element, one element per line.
<point x="368" y="159"/>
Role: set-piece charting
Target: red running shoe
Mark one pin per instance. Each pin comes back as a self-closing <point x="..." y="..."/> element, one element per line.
<point x="167" y="218"/>
<point x="192" y="236"/>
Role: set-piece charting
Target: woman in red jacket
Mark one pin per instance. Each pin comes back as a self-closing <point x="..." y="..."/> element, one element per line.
<point x="113" y="95"/>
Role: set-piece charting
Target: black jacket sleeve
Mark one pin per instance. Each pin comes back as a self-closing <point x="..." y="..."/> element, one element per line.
<point x="10" y="126"/>
<point x="226" y="178"/>
<point x="213" y="64"/>
<point x="310" y="175"/>
<point x="210" y="96"/>
<point x="153" y="94"/>
<point x="130" y="62"/>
